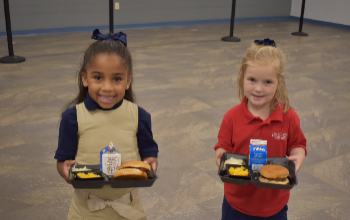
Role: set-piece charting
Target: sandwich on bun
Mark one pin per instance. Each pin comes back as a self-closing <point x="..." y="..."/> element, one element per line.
<point x="275" y="174"/>
<point x="133" y="170"/>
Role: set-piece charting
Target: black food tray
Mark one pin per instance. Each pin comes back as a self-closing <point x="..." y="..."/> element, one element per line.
<point x="254" y="178"/>
<point x="99" y="183"/>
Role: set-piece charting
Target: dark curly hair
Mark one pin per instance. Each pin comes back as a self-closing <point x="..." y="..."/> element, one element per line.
<point x="103" y="47"/>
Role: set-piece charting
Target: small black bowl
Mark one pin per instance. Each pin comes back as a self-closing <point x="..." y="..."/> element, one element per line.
<point x="228" y="166"/>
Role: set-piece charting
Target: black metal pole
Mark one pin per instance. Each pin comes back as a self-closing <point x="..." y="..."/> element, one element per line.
<point x="231" y="38"/>
<point x="232" y="22"/>
<point x="301" y="16"/>
<point x="11" y="58"/>
<point x="8" y="27"/>
<point x="301" y="33"/>
<point x="111" y="28"/>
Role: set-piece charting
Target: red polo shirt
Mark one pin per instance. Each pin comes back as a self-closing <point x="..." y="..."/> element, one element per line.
<point x="282" y="132"/>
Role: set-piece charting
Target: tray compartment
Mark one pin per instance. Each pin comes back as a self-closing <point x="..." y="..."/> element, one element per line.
<point x="293" y="181"/>
<point x="99" y="183"/>
<point x="77" y="176"/>
<point x="228" y="166"/>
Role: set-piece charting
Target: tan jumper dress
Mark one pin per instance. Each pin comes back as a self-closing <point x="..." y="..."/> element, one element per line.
<point x="95" y="130"/>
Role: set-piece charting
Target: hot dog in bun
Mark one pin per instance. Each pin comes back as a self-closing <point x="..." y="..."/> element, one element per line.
<point x="275" y="174"/>
<point x="136" y="170"/>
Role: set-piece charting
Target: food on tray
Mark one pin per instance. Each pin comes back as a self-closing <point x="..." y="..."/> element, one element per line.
<point x="133" y="170"/>
<point x="89" y="175"/>
<point x="275" y="174"/>
<point x="74" y="169"/>
<point x="234" y="161"/>
<point x="239" y="171"/>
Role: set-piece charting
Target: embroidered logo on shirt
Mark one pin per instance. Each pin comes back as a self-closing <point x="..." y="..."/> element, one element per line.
<point x="279" y="135"/>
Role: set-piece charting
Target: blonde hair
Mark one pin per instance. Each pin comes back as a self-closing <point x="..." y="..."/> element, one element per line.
<point x="263" y="55"/>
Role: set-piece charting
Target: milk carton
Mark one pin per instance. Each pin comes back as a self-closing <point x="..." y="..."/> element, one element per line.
<point x="257" y="154"/>
<point x="110" y="160"/>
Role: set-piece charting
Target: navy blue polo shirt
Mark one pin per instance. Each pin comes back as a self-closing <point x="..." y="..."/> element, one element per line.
<point x="68" y="132"/>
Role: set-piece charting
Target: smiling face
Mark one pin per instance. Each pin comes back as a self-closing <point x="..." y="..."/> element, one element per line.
<point x="260" y="84"/>
<point x="106" y="78"/>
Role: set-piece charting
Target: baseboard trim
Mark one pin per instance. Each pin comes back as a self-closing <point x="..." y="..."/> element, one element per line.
<point x="165" y="24"/>
<point x="323" y="23"/>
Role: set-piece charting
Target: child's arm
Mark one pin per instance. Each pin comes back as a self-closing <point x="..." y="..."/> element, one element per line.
<point x="297" y="155"/>
<point x="224" y="137"/>
<point x="63" y="168"/>
<point x="153" y="161"/>
<point x="296" y="141"/>
<point x="67" y="142"/>
<point x="148" y="148"/>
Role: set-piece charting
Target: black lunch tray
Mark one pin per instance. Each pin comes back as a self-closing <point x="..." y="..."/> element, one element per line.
<point x="106" y="180"/>
<point x="254" y="178"/>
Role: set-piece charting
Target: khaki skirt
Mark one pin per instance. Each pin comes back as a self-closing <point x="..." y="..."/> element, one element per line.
<point x="87" y="206"/>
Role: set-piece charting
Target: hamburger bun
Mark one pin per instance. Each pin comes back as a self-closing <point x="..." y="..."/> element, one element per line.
<point x="130" y="173"/>
<point x="145" y="167"/>
<point x="262" y="179"/>
<point x="135" y="170"/>
<point x="275" y="174"/>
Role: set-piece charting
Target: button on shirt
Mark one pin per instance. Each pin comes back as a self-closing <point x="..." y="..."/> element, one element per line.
<point x="68" y="138"/>
<point x="282" y="133"/>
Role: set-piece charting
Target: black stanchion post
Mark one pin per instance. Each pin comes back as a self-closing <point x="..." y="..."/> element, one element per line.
<point x="300" y="33"/>
<point x="231" y="38"/>
<point x="11" y="58"/>
<point x="111" y="24"/>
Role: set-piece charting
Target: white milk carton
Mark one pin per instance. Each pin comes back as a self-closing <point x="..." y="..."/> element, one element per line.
<point x="110" y="160"/>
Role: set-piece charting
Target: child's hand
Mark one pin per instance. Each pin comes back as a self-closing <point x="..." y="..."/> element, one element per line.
<point x="218" y="154"/>
<point x="297" y="155"/>
<point x="153" y="161"/>
<point x="63" y="168"/>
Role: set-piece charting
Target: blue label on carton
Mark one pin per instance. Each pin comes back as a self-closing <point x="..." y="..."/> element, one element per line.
<point x="257" y="156"/>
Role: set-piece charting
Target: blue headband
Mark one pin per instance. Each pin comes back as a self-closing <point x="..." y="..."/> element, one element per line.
<point x="266" y="42"/>
<point x="97" y="35"/>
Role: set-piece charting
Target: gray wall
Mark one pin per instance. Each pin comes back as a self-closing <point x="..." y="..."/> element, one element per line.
<point x="46" y="14"/>
<point x="335" y="11"/>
